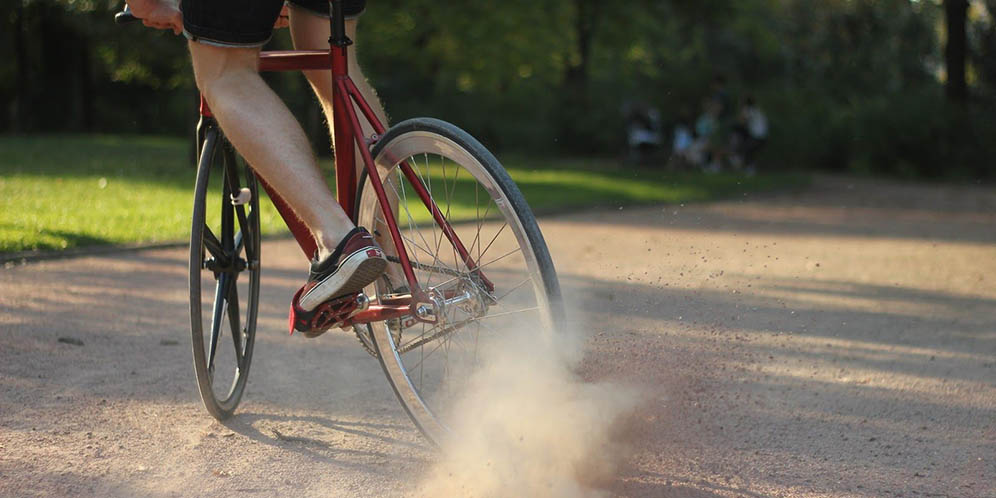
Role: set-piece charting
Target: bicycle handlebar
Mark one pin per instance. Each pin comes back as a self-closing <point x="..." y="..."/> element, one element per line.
<point x="125" y="16"/>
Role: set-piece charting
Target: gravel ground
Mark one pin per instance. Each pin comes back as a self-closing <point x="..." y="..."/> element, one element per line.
<point x="839" y="341"/>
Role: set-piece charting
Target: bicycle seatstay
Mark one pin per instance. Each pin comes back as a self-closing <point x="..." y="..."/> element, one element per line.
<point x="350" y="88"/>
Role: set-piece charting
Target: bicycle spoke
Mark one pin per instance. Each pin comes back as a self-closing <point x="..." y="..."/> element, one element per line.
<point x="411" y="220"/>
<point x="493" y="239"/>
<point x="505" y="313"/>
<point x="513" y="289"/>
<point x="432" y="208"/>
<point x="432" y="211"/>
<point x="424" y="356"/>
<point x="477" y="209"/>
<point x="415" y="245"/>
<point x="480" y="225"/>
<point x="421" y="361"/>
<point x="513" y="251"/>
<point x="449" y="201"/>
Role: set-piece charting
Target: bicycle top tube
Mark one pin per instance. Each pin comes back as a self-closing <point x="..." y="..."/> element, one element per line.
<point x="295" y="60"/>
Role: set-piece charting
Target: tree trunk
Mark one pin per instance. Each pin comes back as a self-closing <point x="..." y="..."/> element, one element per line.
<point x="574" y="99"/>
<point x="86" y="89"/>
<point x="21" y="97"/>
<point x="955" y="53"/>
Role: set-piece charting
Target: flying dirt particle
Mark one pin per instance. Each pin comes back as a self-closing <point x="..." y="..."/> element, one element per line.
<point x="529" y="426"/>
<point x="71" y="340"/>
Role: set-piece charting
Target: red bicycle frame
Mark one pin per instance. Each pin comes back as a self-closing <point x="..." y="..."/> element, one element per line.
<point x="348" y="131"/>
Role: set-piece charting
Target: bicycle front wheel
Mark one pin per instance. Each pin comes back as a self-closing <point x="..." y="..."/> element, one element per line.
<point x="223" y="274"/>
<point x="509" y="285"/>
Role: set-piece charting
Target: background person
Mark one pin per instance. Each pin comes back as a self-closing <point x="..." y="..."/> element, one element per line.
<point x="643" y="131"/>
<point x="753" y="130"/>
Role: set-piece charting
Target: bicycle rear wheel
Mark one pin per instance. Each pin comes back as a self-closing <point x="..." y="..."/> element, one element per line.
<point x="511" y="285"/>
<point x="223" y="274"/>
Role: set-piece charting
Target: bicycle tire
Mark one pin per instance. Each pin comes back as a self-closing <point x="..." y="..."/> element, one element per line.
<point x="224" y="243"/>
<point x="414" y="141"/>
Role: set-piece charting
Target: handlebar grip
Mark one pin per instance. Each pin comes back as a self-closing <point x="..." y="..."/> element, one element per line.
<point x="125" y="16"/>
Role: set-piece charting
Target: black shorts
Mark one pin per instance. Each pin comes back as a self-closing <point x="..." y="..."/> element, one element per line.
<point x="246" y="23"/>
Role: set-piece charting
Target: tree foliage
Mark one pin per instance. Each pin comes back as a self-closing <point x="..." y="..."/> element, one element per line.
<point x="847" y="84"/>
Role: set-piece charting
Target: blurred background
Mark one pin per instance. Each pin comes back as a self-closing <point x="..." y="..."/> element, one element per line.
<point x="588" y="103"/>
<point x="896" y="87"/>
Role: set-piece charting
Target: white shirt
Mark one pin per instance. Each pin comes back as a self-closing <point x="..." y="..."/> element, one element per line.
<point x="757" y="123"/>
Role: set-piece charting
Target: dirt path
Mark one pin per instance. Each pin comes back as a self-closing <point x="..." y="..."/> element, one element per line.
<point x="835" y="342"/>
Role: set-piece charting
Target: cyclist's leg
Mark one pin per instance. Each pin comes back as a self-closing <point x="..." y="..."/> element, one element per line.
<point x="264" y="131"/>
<point x="310" y="31"/>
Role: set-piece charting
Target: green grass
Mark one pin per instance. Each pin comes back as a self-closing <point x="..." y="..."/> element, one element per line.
<point x="561" y="184"/>
<point x="61" y="192"/>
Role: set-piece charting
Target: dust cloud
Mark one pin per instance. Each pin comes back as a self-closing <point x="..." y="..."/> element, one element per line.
<point x="527" y="425"/>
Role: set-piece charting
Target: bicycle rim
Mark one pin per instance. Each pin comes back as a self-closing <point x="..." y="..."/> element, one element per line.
<point x="429" y="364"/>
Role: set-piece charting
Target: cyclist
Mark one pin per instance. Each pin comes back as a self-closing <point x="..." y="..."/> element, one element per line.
<point x="225" y="37"/>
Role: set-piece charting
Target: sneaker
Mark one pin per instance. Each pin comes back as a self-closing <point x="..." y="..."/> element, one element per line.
<point x="354" y="264"/>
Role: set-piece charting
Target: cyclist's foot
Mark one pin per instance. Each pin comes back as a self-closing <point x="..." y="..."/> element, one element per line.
<point x="356" y="262"/>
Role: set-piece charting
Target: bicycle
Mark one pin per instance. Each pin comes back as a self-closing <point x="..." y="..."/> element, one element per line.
<point x="456" y="297"/>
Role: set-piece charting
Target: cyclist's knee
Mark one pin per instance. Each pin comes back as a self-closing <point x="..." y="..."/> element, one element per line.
<point x="216" y="65"/>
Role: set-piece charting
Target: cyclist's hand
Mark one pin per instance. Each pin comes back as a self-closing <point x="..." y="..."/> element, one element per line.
<point x="283" y="21"/>
<point x="159" y="14"/>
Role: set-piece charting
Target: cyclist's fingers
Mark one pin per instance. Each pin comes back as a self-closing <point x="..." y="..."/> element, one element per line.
<point x="177" y="23"/>
<point x="156" y="24"/>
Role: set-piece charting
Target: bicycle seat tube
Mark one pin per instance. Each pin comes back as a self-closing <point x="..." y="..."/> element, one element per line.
<point x="338" y="25"/>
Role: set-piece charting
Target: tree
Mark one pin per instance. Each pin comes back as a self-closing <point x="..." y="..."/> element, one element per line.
<point x="574" y="104"/>
<point x="956" y="51"/>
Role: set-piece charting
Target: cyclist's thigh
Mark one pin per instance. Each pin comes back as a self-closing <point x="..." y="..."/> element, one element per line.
<point x="230" y="23"/>
<point x="212" y="62"/>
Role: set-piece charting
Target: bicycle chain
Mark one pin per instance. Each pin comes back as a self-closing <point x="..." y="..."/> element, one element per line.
<point x="429" y="268"/>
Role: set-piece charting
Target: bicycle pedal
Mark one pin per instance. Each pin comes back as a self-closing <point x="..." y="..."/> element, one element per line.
<point x="325" y="316"/>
